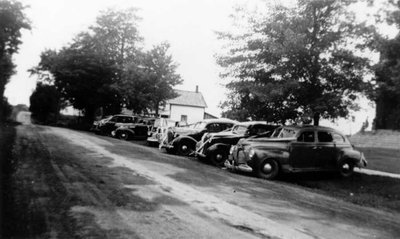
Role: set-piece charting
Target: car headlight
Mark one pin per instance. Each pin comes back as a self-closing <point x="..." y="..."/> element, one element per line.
<point x="232" y="149"/>
<point x="252" y="153"/>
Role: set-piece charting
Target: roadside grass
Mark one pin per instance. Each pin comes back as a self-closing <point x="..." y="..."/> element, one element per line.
<point x="382" y="159"/>
<point x="366" y="190"/>
<point x="7" y="167"/>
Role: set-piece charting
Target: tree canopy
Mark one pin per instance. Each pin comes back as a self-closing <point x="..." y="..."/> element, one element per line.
<point x="149" y="83"/>
<point x="296" y="62"/>
<point x="387" y="89"/>
<point x="12" y="21"/>
<point x="45" y="103"/>
<point x="105" y="67"/>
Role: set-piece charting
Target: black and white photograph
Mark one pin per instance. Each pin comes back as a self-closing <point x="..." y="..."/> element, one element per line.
<point x="147" y="119"/>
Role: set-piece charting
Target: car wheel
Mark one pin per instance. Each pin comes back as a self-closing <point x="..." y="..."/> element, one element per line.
<point x="346" y="168"/>
<point x="218" y="157"/>
<point x="185" y="148"/>
<point x="267" y="169"/>
<point x="123" y="135"/>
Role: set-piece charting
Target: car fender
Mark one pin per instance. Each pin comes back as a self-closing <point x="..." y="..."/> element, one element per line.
<point x="125" y="129"/>
<point x="352" y="155"/>
<point x="179" y="139"/>
<point x="281" y="156"/>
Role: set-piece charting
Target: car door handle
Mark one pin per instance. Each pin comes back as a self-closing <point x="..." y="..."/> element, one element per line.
<point x="316" y="147"/>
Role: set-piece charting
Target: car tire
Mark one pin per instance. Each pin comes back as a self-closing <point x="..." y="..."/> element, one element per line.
<point x="123" y="135"/>
<point x="218" y="157"/>
<point x="185" y="148"/>
<point x="267" y="169"/>
<point x="346" y="168"/>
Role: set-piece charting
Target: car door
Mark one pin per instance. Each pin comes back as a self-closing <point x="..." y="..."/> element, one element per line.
<point x="326" y="150"/>
<point x="302" y="154"/>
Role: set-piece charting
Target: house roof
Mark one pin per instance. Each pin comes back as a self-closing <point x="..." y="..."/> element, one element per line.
<point x="189" y="98"/>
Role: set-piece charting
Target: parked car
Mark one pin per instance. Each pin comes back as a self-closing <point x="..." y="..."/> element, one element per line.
<point x="182" y="140"/>
<point x="131" y="131"/>
<point x="107" y="125"/>
<point x="158" y="130"/>
<point x="296" y="149"/>
<point x="215" y="146"/>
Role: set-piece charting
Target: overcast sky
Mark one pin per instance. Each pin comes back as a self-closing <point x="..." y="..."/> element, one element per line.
<point x="188" y="25"/>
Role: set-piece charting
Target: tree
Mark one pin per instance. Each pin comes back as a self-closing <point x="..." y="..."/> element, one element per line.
<point x="150" y="84"/>
<point x="82" y="77"/>
<point x="45" y="103"/>
<point x="86" y="71"/>
<point x="115" y="35"/>
<point x="387" y="91"/>
<point x="297" y="62"/>
<point x="12" y="21"/>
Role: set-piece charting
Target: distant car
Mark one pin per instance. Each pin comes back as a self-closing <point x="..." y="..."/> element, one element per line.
<point x="121" y="126"/>
<point x="215" y="146"/>
<point x="131" y="131"/>
<point x="296" y="149"/>
<point x="158" y="130"/>
<point x="108" y="124"/>
<point x="182" y="140"/>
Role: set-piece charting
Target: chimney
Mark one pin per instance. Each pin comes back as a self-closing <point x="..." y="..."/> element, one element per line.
<point x="197" y="89"/>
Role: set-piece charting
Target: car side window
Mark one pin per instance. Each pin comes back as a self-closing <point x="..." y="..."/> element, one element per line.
<point x="114" y="119"/>
<point x="225" y="126"/>
<point x="338" y="138"/>
<point x="306" y="136"/>
<point x="324" y="137"/>
<point x="128" y="120"/>
<point x="213" y="127"/>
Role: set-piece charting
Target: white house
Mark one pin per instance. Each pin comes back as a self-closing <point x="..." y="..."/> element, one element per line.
<point x="188" y="107"/>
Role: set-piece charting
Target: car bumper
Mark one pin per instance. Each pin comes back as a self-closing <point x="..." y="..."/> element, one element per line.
<point x="363" y="162"/>
<point x="152" y="140"/>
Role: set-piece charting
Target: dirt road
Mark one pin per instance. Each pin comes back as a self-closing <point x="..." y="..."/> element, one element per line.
<point x="79" y="185"/>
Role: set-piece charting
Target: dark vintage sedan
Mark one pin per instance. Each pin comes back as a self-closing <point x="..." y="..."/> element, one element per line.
<point x="121" y="126"/>
<point x="183" y="140"/>
<point x="215" y="146"/>
<point x="296" y="149"/>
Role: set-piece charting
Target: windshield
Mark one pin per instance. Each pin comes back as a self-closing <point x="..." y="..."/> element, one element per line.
<point x="200" y="125"/>
<point x="157" y="122"/>
<point x="239" y="129"/>
<point x="284" y="133"/>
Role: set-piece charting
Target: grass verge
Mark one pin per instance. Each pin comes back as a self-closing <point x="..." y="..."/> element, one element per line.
<point x="7" y="167"/>
<point x="361" y="189"/>
<point x="382" y="159"/>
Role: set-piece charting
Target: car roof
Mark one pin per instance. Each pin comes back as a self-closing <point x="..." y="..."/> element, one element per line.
<point x="124" y="115"/>
<point x="221" y="120"/>
<point x="252" y="123"/>
<point x="313" y="127"/>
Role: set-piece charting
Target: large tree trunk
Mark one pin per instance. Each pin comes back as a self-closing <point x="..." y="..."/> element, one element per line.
<point x="156" y="107"/>
<point x="316" y="118"/>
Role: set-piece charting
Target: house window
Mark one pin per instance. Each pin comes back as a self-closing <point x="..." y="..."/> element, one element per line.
<point x="184" y="118"/>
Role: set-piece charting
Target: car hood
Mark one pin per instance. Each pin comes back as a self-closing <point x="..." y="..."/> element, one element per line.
<point x="277" y="143"/>
<point x="129" y="125"/>
<point x="185" y="130"/>
<point x="225" y="134"/>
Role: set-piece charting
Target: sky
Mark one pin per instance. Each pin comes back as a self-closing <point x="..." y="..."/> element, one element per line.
<point x="188" y="25"/>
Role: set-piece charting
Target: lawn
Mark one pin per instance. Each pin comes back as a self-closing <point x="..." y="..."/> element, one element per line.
<point x="366" y="190"/>
<point x="382" y="159"/>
